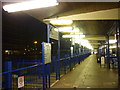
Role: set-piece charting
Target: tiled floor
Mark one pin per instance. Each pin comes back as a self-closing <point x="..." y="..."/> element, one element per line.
<point x="89" y="74"/>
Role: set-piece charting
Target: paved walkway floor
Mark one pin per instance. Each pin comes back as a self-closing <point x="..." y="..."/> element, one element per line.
<point x="89" y="74"/>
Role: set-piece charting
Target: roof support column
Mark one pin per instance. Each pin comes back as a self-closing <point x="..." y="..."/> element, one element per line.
<point x="118" y="50"/>
<point x="108" y="52"/>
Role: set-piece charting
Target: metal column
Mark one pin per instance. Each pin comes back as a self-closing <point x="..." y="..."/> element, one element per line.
<point x="47" y="77"/>
<point x="118" y="50"/>
<point x="58" y="62"/>
<point x="48" y="33"/>
<point x="108" y="52"/>
<point x="0" y="43"/>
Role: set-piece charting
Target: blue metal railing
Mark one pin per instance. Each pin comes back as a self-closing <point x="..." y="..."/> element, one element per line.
<point x="39" y="75"/>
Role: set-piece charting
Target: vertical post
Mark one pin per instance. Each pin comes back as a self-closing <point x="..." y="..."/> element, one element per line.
<point x="8" y="76"/>
<point x="118" y="50"/>
<point x="79" y="50"/>
<point x="1" y="43"/>
<point x="49" y="75"/>
<point x="71" y="48"/>
<point x="58" y="62"/>
<point x="47" y="66"/>
<point x="118" y="46"/>
<point x="74" y="47"/>
<point x="53" y="64"/>
<point x="72" y="54"/>
<point x="48" y="33"/>
<point x="43" y="76"/>
<point x="83" y="49"/>
<point x="43" y="68"/>
<point x="48" y="69"/>
<point x="108" y="52"/>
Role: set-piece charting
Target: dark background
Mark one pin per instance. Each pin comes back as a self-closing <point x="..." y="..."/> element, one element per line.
<point x="20" y="30"/>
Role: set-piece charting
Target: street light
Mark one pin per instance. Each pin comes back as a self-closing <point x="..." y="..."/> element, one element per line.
<point x="35" y="42"/>
<point x="35" y="50"/>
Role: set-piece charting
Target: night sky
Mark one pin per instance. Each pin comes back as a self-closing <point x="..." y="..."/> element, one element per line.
<point x="20" y="29"/>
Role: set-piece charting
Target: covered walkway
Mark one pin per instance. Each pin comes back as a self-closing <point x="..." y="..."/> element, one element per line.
<point x="57" y="45"/>
<point x="89" y="74"/>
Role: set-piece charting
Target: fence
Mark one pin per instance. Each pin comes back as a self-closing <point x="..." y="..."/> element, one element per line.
<point x="36" y="74"/>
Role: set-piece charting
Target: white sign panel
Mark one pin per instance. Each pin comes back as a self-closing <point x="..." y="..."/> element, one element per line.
<point x="71" y="48"/>
<point x="53" y="33"/>
<point x="20" y="81"/>
<point x="47" y="52"/>
<point x="102" y="60"/>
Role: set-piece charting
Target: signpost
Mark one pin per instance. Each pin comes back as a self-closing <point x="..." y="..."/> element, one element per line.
<point x="51" y="33"/>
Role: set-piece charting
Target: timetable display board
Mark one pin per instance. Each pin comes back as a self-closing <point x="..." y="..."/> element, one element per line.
<point x="46" y="51"/>
<point x="53" y="33"/>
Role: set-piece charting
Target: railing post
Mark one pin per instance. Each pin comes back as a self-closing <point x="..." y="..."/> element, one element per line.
<point x="70" y="63"/>
<point x="58" y="70"/>
<point x="49" y="75"/>
<point x="47" y="71"/>
<point x="64" y="66"/>
<point x="79" y="59"/>
<point x="53" y="64"/>
<point x="43" y="76"/>
<point x="8" y="76"/>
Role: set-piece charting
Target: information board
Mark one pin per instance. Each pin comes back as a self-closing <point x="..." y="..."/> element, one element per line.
<point x="46" y="52"/>
<point x="53" y="33"/>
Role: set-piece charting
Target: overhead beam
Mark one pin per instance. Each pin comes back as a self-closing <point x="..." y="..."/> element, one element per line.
<point x="88" y="0"/>
<point x="111" y="14"/>
<point x="95" y="43"/>
<point x="95" y="46"/>
<point x="66" y="0"/>
<point x="98" y="37"/>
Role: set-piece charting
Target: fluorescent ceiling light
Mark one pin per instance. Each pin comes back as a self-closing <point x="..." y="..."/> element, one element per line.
<point x="29" y="5"/>
<point x="76" y="33"/>
<point x="112" y="41"/>
<point x="84" y="43"/>
<point x="66" y="29"/>
<point x="101" y="47"/>
<point x="61" y="22"/>
<point x="113" y="46"/>
<point x="73" y="36"/>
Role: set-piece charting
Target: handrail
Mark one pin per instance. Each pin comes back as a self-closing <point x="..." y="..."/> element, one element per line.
<point x="31" y="66"/>
<point x="29" y="63"/>
<point x="19" y="69"/>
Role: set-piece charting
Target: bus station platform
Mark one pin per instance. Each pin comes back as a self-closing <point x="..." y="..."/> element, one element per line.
<point x="89" y="74"/>
<point x="62" y="45"/>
